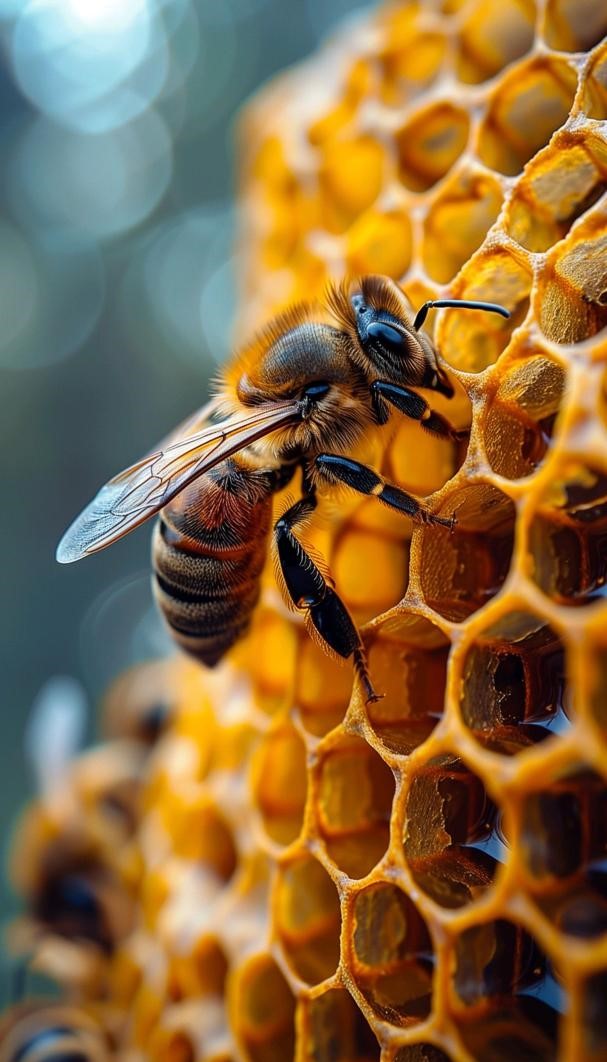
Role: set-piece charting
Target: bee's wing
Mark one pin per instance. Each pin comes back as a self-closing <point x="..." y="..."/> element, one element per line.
<point x="141" y="490"/>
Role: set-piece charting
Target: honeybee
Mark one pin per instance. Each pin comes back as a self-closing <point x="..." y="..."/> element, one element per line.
<point x="300" y="395"/>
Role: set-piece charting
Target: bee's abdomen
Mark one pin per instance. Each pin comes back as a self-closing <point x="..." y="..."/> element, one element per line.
<point x="209" y="549"/>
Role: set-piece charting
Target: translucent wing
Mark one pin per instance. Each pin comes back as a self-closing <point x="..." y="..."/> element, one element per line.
<point x="141" y="490"/>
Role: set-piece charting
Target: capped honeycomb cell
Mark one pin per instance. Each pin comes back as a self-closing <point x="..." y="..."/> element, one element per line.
<point x="500" y="966"/>
<point x="355" y="793"/>
<point x="513" y="688"/>
<point x="573" y="304"/>
<point x="521" y="417"/>
<point x="463" y="568"/>
<point x="280" y="783"/>
<point x="391" y="957"/>
<point x="568" y="536"/>
<point x="408" y="658"/>
<point x="452" y="841"/>
<point x="532" y="101"/>
<point x="564" y="838"/>
<point x="308" y="919"/>
<point x="561" y="183"/>
<point x="334" y="1030"/>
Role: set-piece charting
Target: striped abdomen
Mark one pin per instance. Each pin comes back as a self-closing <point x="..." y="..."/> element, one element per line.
<point x="208" y="551"/>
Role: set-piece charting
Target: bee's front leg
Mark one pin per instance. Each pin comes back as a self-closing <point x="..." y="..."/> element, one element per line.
<point x="337" y="469"/>
<point x="308" y="590"/>
<point x="412" y="405"/>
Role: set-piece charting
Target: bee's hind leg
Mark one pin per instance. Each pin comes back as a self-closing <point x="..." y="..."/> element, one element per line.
<point x="309" y="591"/>
<point x="336" y="469"/>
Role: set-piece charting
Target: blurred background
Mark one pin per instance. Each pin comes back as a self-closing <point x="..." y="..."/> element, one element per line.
<point x="117" y="296"/>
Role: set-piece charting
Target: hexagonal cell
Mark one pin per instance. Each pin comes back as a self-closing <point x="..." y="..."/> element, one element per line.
<point x="421" y="1053"/>
<point x="568" y="537"/>
<point x="594" y="1015"/>
<point x="513" y="692"/>
<point x="323" y="687"/>
<point x="457" y="223"/>
<point x="331" y="1028"/>
<point x="430" y="143"/>
<point x="390" y="954"/>
<point x="408" y="60"/>
<point x="199" y="833"/>
<point x="355" y="793"/>
<point x="461" y="570"/>
<point x="469" y="339"/>
<point x="520" y="419"/>
<point x="594" y="97"/>
<point x="560" y="184"/>
<point x="200" y="972"/>
<point x="370" y="570"/>
<point x="280" y="783"/>
<point x="262" y="1011"/>
<point x="572" y="300"/>
<point x="452" y="841"/>
<point x="598" y="691"/>
<point x="379" y="241"/>
<point x="563" y="842"/>
<point x="408" y="662"/>
<point x="574" y="25"/>
<point x="350" y="177"/>
<point x="307" y="919"/>
<point x="491" y="37"/>
<point x="500" y="967"/>
<point x="531" y="101"/>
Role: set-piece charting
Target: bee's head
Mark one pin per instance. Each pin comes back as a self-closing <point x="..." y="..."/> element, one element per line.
<point x="383" y="323"/>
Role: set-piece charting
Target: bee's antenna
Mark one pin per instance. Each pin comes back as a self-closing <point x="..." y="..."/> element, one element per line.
<point x="462" y="304"/>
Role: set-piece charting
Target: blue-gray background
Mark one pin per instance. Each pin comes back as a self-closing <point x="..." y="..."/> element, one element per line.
<point x="117" y="295"/>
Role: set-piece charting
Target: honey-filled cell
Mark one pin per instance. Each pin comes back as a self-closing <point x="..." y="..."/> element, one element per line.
<point x="307" y="919"/>
<point x="501" y="968"/>
<point x="463" y="568"/>
<point x="520" y="419"/>
<point x="408" y="661"/>
<point x="333" y="1029"/>
<point x="568" y="536"/>
<point x="355" y="793"/>
<point x="452" y="840"/>
<point x="563" y="844"/>
<point x="390" y="954"/>
<point x="513" y="691"/>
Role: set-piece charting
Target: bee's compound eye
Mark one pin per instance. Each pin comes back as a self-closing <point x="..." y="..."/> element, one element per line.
<point x="358" y="303"/>
<point x="315" y="391"/>
<point x="388" y="337"/>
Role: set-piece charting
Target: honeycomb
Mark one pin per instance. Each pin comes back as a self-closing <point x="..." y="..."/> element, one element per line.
<point x="259" y="867"/>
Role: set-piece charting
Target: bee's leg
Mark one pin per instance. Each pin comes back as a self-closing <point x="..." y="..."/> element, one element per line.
<point x="412" y="405"/>
<point x="336" y="469"/>
<point x="309" y="591"/>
